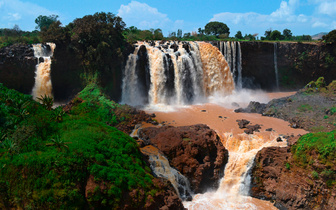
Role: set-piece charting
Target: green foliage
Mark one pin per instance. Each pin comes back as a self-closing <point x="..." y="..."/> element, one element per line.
<point x="239" y="35"/>
<point x="316" y="86"/>
<point x="330" y="37"/>
<point x="46" y="101"/>
<point x="287" y="34"/>
<point x="216" y="28"/>
<point x="324" y="144"/>
<point x="275" y="35"/>
<point x="315" y="175"/>
<point x="15" y="35"/>
<point x="47" y="156"/>
<point x="43" y="22"/>
<point x="305" y="108"/>
<point x="287" y="165"/>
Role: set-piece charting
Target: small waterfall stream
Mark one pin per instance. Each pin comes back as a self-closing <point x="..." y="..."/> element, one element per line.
<point x="43" y="86"/>
<point x="276" y="65"/>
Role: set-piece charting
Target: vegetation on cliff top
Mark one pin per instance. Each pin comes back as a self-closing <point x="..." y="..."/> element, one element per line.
<point x="50" y="159"/>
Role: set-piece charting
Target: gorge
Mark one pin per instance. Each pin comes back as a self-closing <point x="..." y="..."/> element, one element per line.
<point x="189" y="77"/>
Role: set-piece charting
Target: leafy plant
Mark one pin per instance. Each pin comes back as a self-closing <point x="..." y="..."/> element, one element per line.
<point x="47" y="101"/>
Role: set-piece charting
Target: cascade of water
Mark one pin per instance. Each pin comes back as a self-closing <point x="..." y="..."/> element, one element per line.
<point x="235" y="184"/>
<point x="239" y="66"/>
<point x="43" y="86"/>
<point x="234" y="62"/>
<point x="161" y="168"/>
<point x="276" y="65"/>
<point x="233" y="55"/>
<point x="180" y="73"/>
<point x="130" y="81"/>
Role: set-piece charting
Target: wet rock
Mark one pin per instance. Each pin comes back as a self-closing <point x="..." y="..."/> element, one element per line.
<point x="242" y="123"/>
<point x="253" y="107"/>
<point x="203" y="110"/>
<point x="279" y="139"/>
<point x="196" y="151"/>
<point x="174" y="46"/>
<point x="252" y="128"/>
<point x="269" y="129"/>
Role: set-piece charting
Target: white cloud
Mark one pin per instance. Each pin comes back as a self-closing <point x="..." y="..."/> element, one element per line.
<point x="143" y="16"/>
<point x="283" y="17"/>
<point x="318" y="24"/>
<point x="13" y="16"/>
<point x="286" y="11"/>
<point x="327" y="8"/>
<point x="20" y="13"/>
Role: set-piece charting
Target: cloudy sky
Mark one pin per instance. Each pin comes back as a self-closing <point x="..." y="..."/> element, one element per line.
<point x="300" y="16"/>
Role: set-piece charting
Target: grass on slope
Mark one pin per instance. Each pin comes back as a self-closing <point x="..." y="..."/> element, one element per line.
<point x="48" y="157"/>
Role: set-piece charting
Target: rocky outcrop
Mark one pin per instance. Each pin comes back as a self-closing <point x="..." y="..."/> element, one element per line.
<point x="277" y="178"/>
<point x="196" y="151"/>
<point x="253" y="107"/>
<point x="298" y="64"/>
<point x="17" y="67"/>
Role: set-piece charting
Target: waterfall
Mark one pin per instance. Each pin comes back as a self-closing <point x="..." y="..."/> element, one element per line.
<point x="161" y="168"/>
<point x="235" y="185"/>
<point x="43" y="86"/>
<point x="276" y="65"/>
<point x="178" y="73"/>
<point x="233" y="56"/>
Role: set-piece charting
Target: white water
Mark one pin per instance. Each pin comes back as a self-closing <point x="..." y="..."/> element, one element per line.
<point x="161" y="168"/>
<point x="43" y="86"/>
<point x="233" y="56"/>
<point x="235" y="185"/>
<point x="178" y="78"/>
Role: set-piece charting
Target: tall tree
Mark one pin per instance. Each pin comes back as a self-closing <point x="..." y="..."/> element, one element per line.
<point x="217" y="28"/>
<point x="43" y="22"/>
<point x="98" y="39"/>
<point x="275" y="35"/>
<point x="287" y="34"/>
<point x="268" y="34"/>
<point x="239" y="35"/>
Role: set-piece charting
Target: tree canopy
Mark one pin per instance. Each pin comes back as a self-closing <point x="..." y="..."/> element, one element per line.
<point x="217" y="28"/>
<point x="330" y="37"/>
<point x="43" y="22"/>
<point x="239" y="35"/>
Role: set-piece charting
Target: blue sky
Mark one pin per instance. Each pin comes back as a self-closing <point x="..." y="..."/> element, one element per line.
<point x="300" y="16"/>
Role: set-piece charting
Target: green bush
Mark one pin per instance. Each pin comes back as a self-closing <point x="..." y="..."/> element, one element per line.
<point x="324" y="143"/>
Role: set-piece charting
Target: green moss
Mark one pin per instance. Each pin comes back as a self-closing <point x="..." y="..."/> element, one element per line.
<point x="324" y="144"/>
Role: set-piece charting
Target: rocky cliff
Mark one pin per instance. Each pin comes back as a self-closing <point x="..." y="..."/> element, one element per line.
<point x="298" y="64"/>
<point x="277" y="178"/>
<point x="195" y="151"/>
<point x="17" y="67"/>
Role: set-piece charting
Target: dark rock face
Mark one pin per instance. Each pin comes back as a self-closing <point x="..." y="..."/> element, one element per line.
<point x="196" y="151"/>
<point x="298" y="64"/>
<point x="289" y="186"/>
<point x="17" y="67"/>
